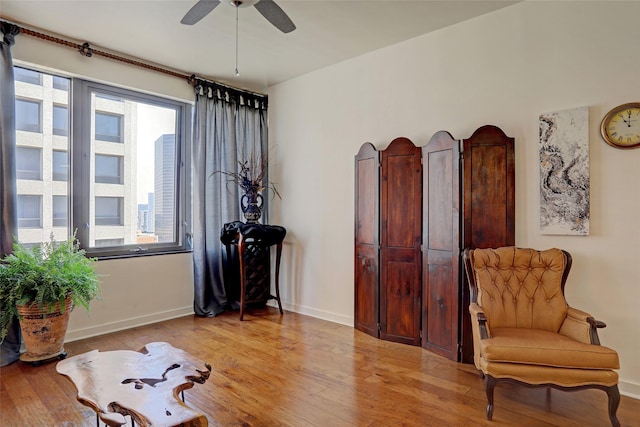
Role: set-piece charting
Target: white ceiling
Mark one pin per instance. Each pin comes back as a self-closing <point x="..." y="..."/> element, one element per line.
<point x="327" y="32"/>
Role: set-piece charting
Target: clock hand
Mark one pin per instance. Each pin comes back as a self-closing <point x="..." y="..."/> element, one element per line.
<point x="625" y="120"/>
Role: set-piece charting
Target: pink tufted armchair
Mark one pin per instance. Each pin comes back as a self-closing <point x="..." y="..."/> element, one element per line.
<point x="525" y="332"/>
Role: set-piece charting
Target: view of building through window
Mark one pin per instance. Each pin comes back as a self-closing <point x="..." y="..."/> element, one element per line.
<point x="132" y="170"/>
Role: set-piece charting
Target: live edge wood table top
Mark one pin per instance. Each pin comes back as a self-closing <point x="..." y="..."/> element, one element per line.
<point x="143" y="384"/>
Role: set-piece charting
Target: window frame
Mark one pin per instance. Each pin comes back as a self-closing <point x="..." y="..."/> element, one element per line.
<point x="81" y="131"/>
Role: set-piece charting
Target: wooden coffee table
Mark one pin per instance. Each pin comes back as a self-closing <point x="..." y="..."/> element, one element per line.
<point x="143" y="384"/>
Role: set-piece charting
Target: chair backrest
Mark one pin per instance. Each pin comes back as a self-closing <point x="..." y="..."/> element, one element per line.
<point x="519" y="288"/>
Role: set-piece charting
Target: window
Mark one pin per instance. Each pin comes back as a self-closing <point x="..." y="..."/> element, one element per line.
<point x="60" y="83"/>
<point x="27" y="76"/>
<point x="108" y="210"/>
<point x="108" y="127"/>
<point x="29" y="211"/>
<point x="28" y="163"/>
<point x="60" y="211"/>
<point x="28" y="116"/>
<point x="109" y="169"/>
<point x="60" y="120"/>
<point x="96" y="186"/>
<point x="60" y="166"/>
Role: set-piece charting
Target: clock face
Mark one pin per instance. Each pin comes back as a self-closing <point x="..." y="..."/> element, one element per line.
<point x="620" y="128"/>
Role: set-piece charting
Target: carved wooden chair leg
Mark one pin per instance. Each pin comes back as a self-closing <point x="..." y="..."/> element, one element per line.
<point x="490" y="385"/>
<point x="614" y="401"/>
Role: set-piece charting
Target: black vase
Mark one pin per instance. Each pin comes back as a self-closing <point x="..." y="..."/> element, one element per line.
<point x="251" y="205"/>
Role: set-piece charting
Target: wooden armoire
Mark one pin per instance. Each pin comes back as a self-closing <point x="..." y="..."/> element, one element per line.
<point x="464" y="197"/>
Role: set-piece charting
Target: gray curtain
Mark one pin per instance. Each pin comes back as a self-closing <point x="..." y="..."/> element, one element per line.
<point x="10" y="347"/>
<point x="229" y="126"/>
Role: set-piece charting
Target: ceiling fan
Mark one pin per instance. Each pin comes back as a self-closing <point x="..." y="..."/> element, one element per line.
<point x="267" y="8"/>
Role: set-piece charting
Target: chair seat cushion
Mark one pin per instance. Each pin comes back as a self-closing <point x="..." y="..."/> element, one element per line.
<point x="540" y="347"/>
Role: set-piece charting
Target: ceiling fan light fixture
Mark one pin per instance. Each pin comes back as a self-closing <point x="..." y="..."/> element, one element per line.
<point x="267" y="8"/>
<point x="240" y="3"/>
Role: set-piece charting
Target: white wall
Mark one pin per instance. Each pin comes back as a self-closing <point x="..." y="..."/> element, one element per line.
<point x="505" y="69"/>
<point x="135" y="291"/>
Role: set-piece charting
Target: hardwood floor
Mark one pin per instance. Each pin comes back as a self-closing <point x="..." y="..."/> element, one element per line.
<point x="295" y="370"/>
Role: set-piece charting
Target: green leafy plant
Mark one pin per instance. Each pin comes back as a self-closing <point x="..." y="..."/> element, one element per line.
<point x="44" y="276"/>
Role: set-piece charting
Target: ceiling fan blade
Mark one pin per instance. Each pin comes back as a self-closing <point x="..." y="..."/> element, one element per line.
<point x="274" y="14"/>
<point x="199" y="11"/>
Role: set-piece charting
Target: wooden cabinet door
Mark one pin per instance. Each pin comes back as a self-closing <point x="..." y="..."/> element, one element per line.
<point x="488" y="205"/>
<point x="401" y="229"/>
<point x="441" y="245"/>
<point x="366" y="268"/>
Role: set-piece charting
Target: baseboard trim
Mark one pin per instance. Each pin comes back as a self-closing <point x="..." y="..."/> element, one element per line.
<point x="318" y="314"/>
<point x="92" y="331"/>
<point x="629" y="389"/>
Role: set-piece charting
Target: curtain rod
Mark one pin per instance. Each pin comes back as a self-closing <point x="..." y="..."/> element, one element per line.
<point x="85" y="49"/>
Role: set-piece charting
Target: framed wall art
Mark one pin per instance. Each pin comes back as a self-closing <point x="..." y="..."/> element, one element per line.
<point x="564" y="172"/>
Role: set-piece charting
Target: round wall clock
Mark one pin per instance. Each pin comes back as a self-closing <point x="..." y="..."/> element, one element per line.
<point x="620" y="127"/>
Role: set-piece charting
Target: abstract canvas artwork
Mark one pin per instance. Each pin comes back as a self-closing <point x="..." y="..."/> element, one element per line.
<point x="564" y="172"/>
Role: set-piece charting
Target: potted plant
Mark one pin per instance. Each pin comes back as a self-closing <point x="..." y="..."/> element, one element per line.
<point x="40" y="286"/>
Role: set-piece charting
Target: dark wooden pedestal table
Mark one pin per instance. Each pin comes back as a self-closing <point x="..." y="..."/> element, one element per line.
<point x="142" y="384"/>
<point x="254" y="243"/>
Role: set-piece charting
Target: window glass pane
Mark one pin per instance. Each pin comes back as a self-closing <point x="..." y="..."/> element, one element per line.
<point x="108" y="210"/>
<point x="60" y="120"/>
<point x="28" y="163"/>
<point x="60" y="166"/>
<point x="60" y="83"/>
<point x="40" y="202"/>
<point x="60" y="211"/>
<point x="108" y="127"/>
<point x="101" y="243"/>
<point x="29" y="211"/>
<point x="110" y="97"/>
<point x="28" y="115"/>
<point x="109" y="169"/>
<point x="27" y="76"/>
<point x="149" y="151"/>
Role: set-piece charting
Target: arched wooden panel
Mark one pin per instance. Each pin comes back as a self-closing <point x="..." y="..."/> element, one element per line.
<point x="367" y="215"/>
<point x="441" y="245"/>
<point x="400" y="238"/>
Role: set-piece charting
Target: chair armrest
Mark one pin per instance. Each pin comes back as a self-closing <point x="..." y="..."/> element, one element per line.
<point x="581" y="326"/>
<point x="477" y="315"/>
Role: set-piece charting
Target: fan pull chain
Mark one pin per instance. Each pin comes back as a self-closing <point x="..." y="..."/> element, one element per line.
<point x="237" y="72"/>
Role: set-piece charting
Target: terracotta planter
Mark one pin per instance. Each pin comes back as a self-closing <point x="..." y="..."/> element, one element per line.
<point x="43" y="332"/>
